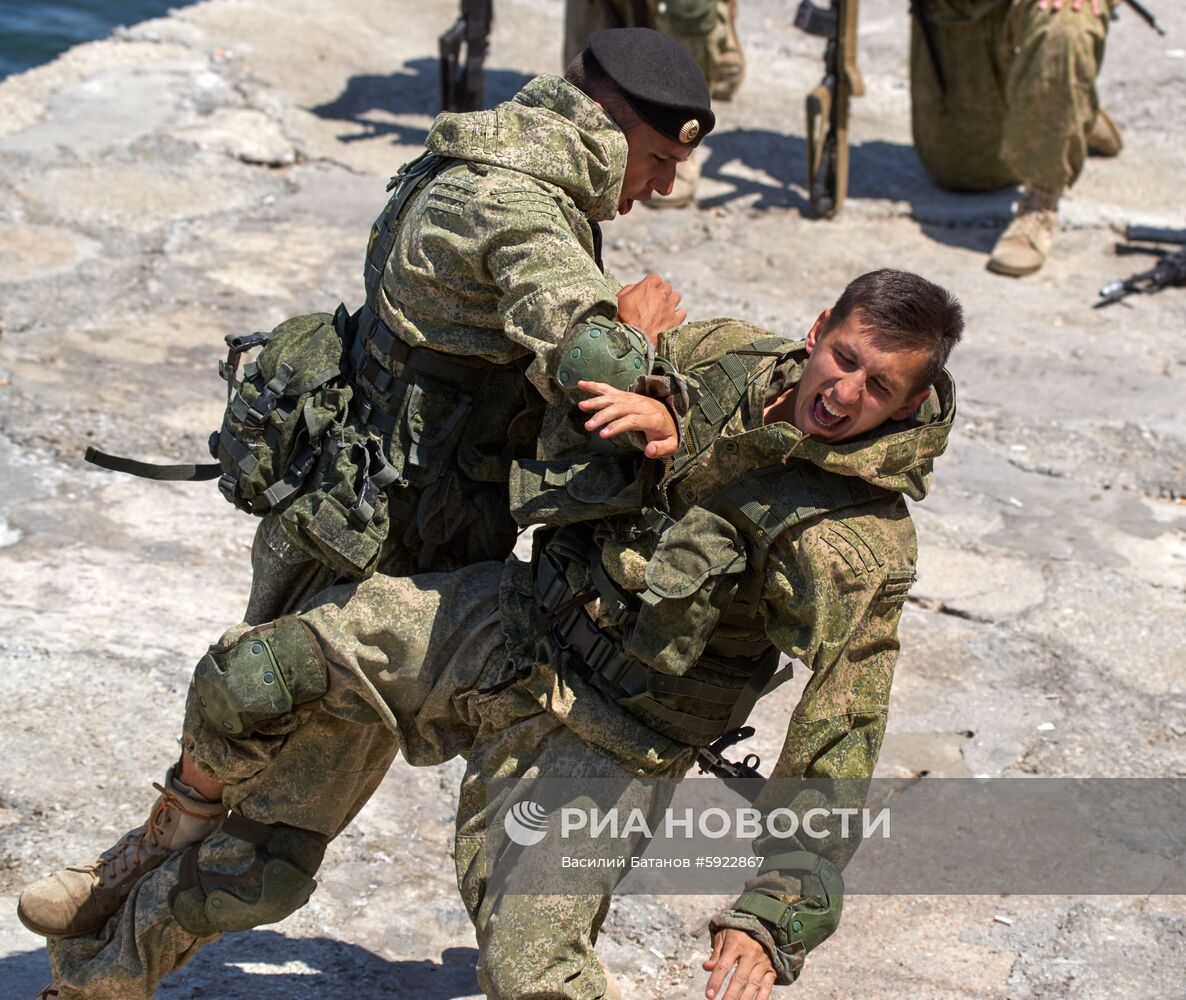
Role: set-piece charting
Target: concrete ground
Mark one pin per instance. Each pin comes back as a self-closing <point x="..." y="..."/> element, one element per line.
<point x="217" y="171"/>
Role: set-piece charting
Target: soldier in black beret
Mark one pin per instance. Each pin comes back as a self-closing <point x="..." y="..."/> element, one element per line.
<point x="654" y="91"/>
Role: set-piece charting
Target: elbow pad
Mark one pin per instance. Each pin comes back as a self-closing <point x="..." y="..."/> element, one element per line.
<point x="803" y="925"/>
<point x="602" y="350"/>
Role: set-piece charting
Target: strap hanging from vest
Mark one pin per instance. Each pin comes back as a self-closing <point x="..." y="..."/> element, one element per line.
<point x="147" y="470"/>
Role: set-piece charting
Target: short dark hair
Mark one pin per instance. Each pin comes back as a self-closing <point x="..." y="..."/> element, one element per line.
<point x="585" y="73"/>
<point x="903" y="311"/>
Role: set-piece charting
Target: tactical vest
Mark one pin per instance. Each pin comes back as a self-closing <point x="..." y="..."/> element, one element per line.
<point x="689" y="654"/>
<point x="337" y="417"/>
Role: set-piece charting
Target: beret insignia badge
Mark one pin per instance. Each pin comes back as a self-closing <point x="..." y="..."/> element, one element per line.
<point x="689" y="131"/>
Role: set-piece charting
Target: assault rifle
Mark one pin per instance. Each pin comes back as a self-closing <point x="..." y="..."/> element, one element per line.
<point x="463" y="81"/>
<point x="740" y="776"/>
<point x="827" y="105"/>
<point x="1170" y="268"/>
<point x="1146" y="15"/>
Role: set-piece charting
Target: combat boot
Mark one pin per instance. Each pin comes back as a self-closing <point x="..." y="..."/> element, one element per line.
<point x="683" y="191"/>
<point x="82" y="898"/>
<point x="1103" y="138"/>
<point x="1023" y="247"/>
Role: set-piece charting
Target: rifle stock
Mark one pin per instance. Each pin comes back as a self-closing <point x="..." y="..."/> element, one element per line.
<point x="463" y="81"/>
<point x="827" y="105"/>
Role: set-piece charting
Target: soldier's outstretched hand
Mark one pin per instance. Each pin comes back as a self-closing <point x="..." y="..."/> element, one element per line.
<point x="753" y="975"/>
<point x="615" y="412"/>
<point x="1075" y="5"/>
<point x="650" y="305"/>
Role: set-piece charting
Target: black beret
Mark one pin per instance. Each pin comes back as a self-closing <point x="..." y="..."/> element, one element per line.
<point x="660" y="80"/>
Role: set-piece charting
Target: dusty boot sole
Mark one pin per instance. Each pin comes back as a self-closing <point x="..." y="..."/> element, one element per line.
<point x="1010" y="270"/>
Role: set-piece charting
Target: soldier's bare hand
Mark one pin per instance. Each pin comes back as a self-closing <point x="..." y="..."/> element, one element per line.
<point x="650" y="305"/>
<point x="753" y="974"/>
<point x="1075" y="5"/>
<point x="616" y="412"/>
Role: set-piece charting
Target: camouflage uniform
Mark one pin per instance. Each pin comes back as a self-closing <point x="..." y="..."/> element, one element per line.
<point x="453" y="663"/>
<point x="488" y="270"/>
<point x="705" y="28"/>
<point x="1019" y="95"/>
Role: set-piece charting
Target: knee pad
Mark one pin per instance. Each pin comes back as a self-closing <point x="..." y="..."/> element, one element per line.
<point x="245" y="876"/>
<point x="260" y="676"/>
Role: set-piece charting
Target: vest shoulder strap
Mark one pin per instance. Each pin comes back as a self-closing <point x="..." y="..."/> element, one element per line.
<point x="411" y="177"/>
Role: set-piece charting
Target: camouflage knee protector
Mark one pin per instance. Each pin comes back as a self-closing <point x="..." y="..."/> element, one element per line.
<point x="260" y="676"/>
<point x="246" y="875"/>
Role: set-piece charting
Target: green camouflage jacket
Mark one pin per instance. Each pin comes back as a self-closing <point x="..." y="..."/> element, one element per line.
<point x="831" y="591"/>
<point x="496" y="257"/>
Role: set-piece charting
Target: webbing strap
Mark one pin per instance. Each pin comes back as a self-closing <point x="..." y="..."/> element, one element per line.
<point x="681" y="721"/>
<point x="410" y="178"/>
<point x="294" y="477"/>
<point x="764" y="907"/>
<point x="245" y="462"/>
<point x="146" y="470"/>
<point x="756" y="685"/>
<point x="247" y="830"/>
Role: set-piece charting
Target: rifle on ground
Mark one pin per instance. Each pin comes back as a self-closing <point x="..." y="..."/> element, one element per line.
<point x="827" y="105"/>
<point x="1146" y="15"/>
<point x="463" y="82"/>
<point x="1169" y="270"/>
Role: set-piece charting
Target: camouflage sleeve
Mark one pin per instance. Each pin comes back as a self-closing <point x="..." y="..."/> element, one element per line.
<point x="833" y="600"/>
<point x="550" y="287"/>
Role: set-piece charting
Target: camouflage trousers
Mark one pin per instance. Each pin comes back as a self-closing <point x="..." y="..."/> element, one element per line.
<point x="1019" y="94"/>
<point x="704" y="27"/>
<point x="417" y="664"/>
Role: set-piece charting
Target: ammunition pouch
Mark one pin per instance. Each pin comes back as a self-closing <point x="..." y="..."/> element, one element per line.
<point x="601" y="350"/>
<point x="278" y="879"/>
<point x="279" y="407"/>
<point x="262" y="676"/>
<point x="800" y="926"/>
<point x="707" y="710"/>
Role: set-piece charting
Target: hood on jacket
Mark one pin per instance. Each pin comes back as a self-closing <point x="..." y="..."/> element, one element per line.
<point x="899" y="455"/>
<point x="550" y="131"/>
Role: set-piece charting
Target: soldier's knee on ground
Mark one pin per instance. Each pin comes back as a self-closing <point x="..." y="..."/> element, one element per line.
<point x="246" y="875"/>
<point x="261" y="675"/>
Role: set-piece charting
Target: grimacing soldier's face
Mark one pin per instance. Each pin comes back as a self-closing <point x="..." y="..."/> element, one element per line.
<point x="852" y="383"/>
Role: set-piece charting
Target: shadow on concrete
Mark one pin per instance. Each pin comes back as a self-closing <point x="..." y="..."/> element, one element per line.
<point x="268" y="964"/>
<point x="23" y="973"/>
<point x="413" y="90"/>
<point x="878" y="170"/>
<point x="265" y="963"/>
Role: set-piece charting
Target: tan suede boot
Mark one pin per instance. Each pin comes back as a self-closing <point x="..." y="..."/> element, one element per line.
<point x="82" y="898"/>
<point x="1023" y="247"/>
<point x="683" y="192"/>
<point x="1103" y="138"/>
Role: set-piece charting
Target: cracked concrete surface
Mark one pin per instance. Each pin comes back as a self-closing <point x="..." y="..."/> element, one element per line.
<point x="217" y="171"/>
